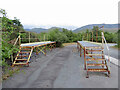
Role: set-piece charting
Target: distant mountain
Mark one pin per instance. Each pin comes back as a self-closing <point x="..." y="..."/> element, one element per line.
<point x="60" y="29"/>
<point x="27" y="29"/>
<point x="107" y="27"/>
<point x="39" y="30"/>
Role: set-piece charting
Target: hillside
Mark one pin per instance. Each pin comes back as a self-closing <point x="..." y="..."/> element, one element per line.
<point x="39" y="30"/>
<point x="107" y="27"/>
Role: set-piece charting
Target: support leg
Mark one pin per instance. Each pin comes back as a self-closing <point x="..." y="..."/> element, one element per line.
<point x="50" y="47"/>
<point x="80" y="51"/>
<point x="87" y="76"/>
<point x="77" y="47"/>
<point x="91" y="52"/>
<point x="84" y="59"/>
<point x="45" y="50"/>
<point x="36" y="51"/>
<point x="102" y="60"/>
<point x="108" y="73"/>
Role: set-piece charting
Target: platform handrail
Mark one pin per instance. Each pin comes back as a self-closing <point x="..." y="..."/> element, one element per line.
<point x="16" y="40"/>
<point x="104" y="40"/>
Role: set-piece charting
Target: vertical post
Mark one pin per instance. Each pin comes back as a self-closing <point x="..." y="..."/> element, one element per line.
<point x="0" y="39"/>
<point x="96" y="34"/>
<point x="103" y="29"/>
<point x="102" y="40"/>
<point x="77" y="47"/>
<point x="47" y="37"/>
<point x="36" y="51"/>
<point x="19" y="39"/>
<point x="55" y="44"/>
<point x="87" y="36"/>
<point x="45" y="50"/>
<point x="102" y="47"/>
<point x="91" y="52"/>
<point x="12" y="58"/>
<point x="92" y="36"/>
<point x="40" y="38"/>
<point x="80" y="51"/>
<point x="102" y="60"/>
<point x="29" y="37"/>
<point x="50" y="46"/>
<point x="44" y="37"/>
<point x="84" y="58"/>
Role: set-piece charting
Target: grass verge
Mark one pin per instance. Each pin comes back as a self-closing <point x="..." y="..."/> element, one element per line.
<point x="67" y="44"/>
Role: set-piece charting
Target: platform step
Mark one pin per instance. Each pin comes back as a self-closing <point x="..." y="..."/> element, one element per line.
<point x="23" y="56"/>
<point x="95" y="54"/>
<point x="20" y="64"/>
<point x="95" y="64"/>
<point x="93" y="59"/>
<point x="94" y="50"/>
<point x="24" y="52"/>
<point x="97" y="70"/>
<point x="26" y="49"/>
<point x="21" y="59"/>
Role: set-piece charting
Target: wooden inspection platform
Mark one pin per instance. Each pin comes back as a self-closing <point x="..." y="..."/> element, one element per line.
<point x="94" y="59"/>
<point x="25" y="52"/>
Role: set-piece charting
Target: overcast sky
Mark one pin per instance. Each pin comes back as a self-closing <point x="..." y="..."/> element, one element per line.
<point x="65" y="13"/>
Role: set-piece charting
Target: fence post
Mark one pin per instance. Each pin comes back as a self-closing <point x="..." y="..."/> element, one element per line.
<point x="92" y="36"/>
<point x="29" y="37"/>
<point x="19" y="39"/>
<point x="44" y="37"/>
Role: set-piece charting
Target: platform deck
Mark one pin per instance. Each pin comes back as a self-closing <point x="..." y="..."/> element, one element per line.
<point x="36" y="44"/>
<point x="88" y="44"/>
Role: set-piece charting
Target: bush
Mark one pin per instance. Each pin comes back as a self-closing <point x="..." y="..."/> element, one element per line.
<point x="59" y="37"/>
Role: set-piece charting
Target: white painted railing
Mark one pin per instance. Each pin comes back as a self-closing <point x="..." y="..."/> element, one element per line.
<point x="104" y="40"/>
<point x="16" y="40"/>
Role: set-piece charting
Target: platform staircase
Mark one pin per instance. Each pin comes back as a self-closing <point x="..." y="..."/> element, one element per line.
<point x="23" y="56"/>
<point x="95" y="60"/>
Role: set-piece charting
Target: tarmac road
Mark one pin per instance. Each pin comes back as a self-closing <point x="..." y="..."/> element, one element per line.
<point x="61" y="68"/>
<point x="113" y="51"/>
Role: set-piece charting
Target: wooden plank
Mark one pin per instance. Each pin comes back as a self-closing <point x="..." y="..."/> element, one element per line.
<point x="26" y="49"/>
<point x="24" y="52"/>
<point x="94" y="47"/>
<point x="84" y="59"/>
<point x="30" y="55"/>
<point x="21" y="59"/>
<point x="91" y="64"/>
<point x="94" y="50"/>
<point x="92" y="59"/>
<point x="97" y="70"/>
<point x="20" y="63"/>
<point x="28" y="38"/>
<point x="23" y="56"/>
<point x="95" y="54"/>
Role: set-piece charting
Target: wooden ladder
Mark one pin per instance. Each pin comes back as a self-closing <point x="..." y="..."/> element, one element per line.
<point x="95" y="60"/>
<point x="23" y="56"/>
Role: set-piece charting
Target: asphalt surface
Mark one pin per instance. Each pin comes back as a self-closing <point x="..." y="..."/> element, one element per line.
<point x="61" y="68"/>
<point x="113" y="51"/>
